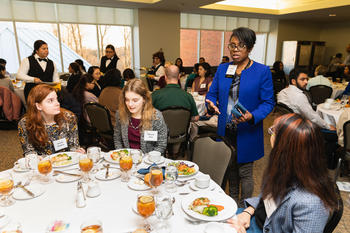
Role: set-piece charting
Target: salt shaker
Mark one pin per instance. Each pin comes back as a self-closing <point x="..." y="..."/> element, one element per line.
<point x="80" y="199"/>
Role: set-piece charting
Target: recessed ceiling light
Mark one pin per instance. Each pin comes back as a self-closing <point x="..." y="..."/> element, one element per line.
<point x="332" y="15"/>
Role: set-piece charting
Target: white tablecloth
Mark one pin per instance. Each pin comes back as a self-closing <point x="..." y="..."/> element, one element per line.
<point x="113" y="207"/>
<point x="338" y="89"/>
<point x="331" y="116"/>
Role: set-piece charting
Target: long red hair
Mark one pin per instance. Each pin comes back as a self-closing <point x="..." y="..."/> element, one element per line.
<point x="35" y="127"/>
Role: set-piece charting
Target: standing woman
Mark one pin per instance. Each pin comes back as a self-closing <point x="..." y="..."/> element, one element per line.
<point x="203" y="81"/>
<point x="109" y="60"/>
<point x="46" y="128"/>
<point x="95" y="72"/>
<point x="250" y="83"/>
<point x="75" y="73"/>
<point x="138" y="124"/>
<point x="37" y="68"/>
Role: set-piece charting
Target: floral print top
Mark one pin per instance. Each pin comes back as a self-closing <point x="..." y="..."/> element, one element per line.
<point x="69" y="131"/>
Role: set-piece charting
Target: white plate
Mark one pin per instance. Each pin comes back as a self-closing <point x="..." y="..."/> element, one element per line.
<point x="74" y="155"/>
<point x="62" y="178"/>
<point x="17" y="168"/>
<point x="215" y="227"/>
<point x="20" y="194"/>
<point x="189" y="163"/>
<point x="138" y="185"/>
<point x="211" y="187"/>
<point x="107" y="156"/>
<point x="146" y="160"/>
<point x="113" y="174"/>
<point x="216" y="199"/>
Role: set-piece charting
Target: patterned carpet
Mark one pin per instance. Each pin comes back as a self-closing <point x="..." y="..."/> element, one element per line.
<point x="11" y="151"/>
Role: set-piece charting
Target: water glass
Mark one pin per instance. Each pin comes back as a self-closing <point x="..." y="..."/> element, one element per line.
<point x="171" y="175"/>
<point x="164" y="210"/>
<point x="31" y="161"/>
<point x="94" y="153"/>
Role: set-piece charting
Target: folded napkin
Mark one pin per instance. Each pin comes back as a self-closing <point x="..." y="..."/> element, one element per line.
<point x="144" y="171"/>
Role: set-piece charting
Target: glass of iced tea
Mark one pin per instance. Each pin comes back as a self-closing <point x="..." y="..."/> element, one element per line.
<point x="85" y="164"/>
<point x="6" y="187"/>
<point x="156" y="177"/>
<point x="145" y="207"/>
<point x="125" y="163"/>
<point x="91" y="226"/>
<point x="45" y="168"/>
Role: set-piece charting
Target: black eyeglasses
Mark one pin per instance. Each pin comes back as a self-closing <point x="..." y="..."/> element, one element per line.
<point x="233" y="46"/>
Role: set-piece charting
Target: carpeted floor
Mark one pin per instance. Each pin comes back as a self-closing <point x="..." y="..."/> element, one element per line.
<point x="10" y="151"/>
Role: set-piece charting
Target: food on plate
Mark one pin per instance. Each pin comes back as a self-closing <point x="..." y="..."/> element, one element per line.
<point x="183" y="168"/>
<point x="116" y="155"/>
<point x="202" y="205"/>
<point x="147" y="179"/>
<point x="61" y="159"/>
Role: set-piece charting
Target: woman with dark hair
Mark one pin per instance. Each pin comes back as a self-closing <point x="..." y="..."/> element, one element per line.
<point x="95" y="72"/>
<point x="37" y="68"/>
<point x="82" y="93"/>
<point x="4" y="80"/>
<point x="138" y="124"/>
<point x="110" y="95"/>
<point x="109" y="60"/>
<point x="75" y="73"/>
<point x="203" y="81"/>
<point x="81" y="65"/>
<point x="278" y="74"/>
<point x="46" y="128"/>
<point x="179" y="63"/>
<point x="346" y="74"/>
<point x="157" y="69"/>
<point x="297" y="194"/>
<point x="128" y="74"/>
<point x="191" y="77"/>
<point x="249" y="83"/>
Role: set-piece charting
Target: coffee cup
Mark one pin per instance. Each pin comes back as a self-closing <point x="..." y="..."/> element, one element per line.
<point x="327" y="105"/>
<point x="21" y="164"/>
<point x="93" y="189"/>
<point x="202" y="181"/>
<point x="329" y="100"/>
<point x="154" y="156"/>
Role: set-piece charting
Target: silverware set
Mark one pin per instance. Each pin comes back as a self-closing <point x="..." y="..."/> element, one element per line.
<point x="22" y="186"/>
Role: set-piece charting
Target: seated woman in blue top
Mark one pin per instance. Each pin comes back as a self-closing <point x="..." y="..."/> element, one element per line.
<point x="296" y="195"/>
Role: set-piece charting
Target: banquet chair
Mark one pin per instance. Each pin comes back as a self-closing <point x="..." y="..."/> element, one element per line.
<point x="320" y="93"/>
<point x="100" y="120"/>
<point x="343" y="152"/>
<point x="334" y="219"/>
<point x="282" y="109"/>
<point x="177" y="119"/>
<point x="212" y="156"/>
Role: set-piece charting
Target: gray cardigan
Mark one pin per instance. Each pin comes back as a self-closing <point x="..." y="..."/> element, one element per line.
<point x="158" y="124"/>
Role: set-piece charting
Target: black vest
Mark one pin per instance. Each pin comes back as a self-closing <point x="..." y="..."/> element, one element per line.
<point x="112" y="65"/>
<point x="154" y="70"/>
<point x="35" y="70"/>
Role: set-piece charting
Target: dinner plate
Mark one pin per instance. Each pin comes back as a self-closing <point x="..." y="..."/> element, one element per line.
<point x="62" y="178"/>
<point x="230" y="206"/>
<point x="137" y="184"/>
<point x="108" y="158"/>
<point x="17" y="168"/>
<point x="113" y="174"/>
<point x="74" y="160"/>
<point x="211" y="187"/>
<point x="20" y="194"/>
<point x="189" y="163"/>
<point x="146" y="160"/>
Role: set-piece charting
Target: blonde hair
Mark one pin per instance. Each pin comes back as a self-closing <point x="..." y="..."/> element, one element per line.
<point x="148" y="111"/>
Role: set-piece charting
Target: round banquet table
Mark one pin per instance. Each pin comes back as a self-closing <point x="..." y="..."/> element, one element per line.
<point x="338" y="89"/>
<point x="331" y="116"/>
<point x="113" y="207"/>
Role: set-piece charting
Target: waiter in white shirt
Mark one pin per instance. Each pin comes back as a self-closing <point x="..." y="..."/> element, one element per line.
<point x="37" y="68"/>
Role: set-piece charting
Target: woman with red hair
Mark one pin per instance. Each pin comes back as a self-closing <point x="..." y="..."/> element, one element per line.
<point x="46" y="128"/>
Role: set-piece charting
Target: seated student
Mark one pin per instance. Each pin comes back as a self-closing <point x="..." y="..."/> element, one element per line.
<point x="203" y="81"/>
<point x="278" y="74"/>
<point x="319" y="78"/>
<point x="95" y="72"/>
<point x="346" y="74"/>
<point x="75" y="73"/>
<point x="128" y="74"/>
<point x="46" y="128"/>
<point x="179" y="63"/>
<point x="296" y="195"/>
<point x="81" y="65"/>
<point x="3" y="62"/>
<point x="191" y="77"/>
<point x="110" y="95"/>
<point x="138" y="124"/>
<point x="4" y="80"/>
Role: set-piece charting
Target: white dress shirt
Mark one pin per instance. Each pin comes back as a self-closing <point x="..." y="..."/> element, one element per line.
<point x="295" y="99"/>
<point x="318" y="80"/>
<point x="160" y="72"/>
<point x="23" y="70"/>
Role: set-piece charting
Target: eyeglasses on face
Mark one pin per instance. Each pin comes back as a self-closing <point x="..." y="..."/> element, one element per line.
<point x="271" y="130"/>
<point x="239" y="47"/>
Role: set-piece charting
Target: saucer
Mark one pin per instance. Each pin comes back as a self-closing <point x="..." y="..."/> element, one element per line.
<point x="20" y="194"/>
<point x="113" y="174"/>
<point x="138" y="185"/>
<point x="62" y="178"/>
<point x="146" y="160"/>
<point x="211" y="187"/>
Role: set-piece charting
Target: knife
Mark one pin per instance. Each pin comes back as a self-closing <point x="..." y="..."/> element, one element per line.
<point x="26" y="190"/>
<point x="107" y="171"/>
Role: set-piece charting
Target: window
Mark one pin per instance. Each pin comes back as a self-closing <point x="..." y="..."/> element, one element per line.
<point x="8" y="52"/>
<point x="28" y="33"/>
<point x="258" y="52"/>
<point x="189" y="46"/>
<point x="211" y="46"/>
<point x="226" y="42"/>
<point x="120" y="38"/>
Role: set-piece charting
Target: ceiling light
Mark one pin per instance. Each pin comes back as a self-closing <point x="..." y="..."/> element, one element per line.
<point x="332" y="15"/>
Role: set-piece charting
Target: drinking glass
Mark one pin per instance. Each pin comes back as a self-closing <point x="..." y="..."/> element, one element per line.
<point x="145" y="207"/>
<point x="164" y="210"/>
<point x="12" y="227"/>
<point x="6" y="187"/>
<point x="125" y="163"/>
<point x="136" y="156"/>
<point x="45" y="168"/>
<point x="85" y="164"/>
<point x="91" y="225"/>
<point x="171" y="175"/>
<point x="94" y="153"/>
<point x="156" y="178"/>
<point x="31" y="161"/>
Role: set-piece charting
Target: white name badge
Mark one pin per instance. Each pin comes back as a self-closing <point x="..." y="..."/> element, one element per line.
<point x="231" y="70"/>
<point x="60" y="144"/>
<point x="151" y="135"/>
<point x="203" y="85"/>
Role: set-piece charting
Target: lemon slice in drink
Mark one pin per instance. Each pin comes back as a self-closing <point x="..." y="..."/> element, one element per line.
<point x="146" y="199"/>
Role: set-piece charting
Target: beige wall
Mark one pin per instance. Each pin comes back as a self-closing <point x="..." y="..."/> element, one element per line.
<point x="158" y="29"/>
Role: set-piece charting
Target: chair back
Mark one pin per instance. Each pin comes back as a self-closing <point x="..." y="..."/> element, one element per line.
<point x="346" y="133"/>
<point x="282" y="109"/>
<point x="178" y="120"/>
<point x="320" y="93"/>
<point x="336" y="215"/>
<point x="212" y="156"/>
<point x="100" y="117"/>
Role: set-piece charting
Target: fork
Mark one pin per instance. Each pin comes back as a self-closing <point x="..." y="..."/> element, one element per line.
<point x="19" y="185"/>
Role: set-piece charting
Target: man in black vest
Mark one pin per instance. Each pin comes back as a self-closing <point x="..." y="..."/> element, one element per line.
<point x="37" y="68"/>
<point x="109" y="61"/>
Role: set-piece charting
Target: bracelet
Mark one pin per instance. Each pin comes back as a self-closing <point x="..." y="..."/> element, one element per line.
<point x="247" y="213"/>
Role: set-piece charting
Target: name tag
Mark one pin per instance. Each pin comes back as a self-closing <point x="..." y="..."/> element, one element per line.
<point x="60" y="144"/>
<point x="231" y="70"/>
<point x="151" y="135"/>
<point x="203" y="85"/>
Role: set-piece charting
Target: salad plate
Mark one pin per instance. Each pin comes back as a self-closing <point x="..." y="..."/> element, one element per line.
<point x="64" y="159"/>
<point x="114" y="155"/>
<point x="185" y="168"/>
